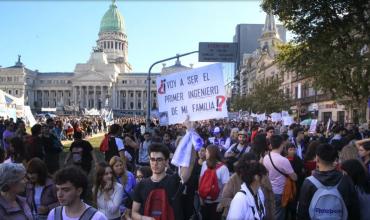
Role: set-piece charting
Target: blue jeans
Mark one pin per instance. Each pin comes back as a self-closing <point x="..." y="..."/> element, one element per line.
<point x="279" y="210"/>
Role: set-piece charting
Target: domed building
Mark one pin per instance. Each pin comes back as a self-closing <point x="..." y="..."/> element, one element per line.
<point x="104" y="81"/>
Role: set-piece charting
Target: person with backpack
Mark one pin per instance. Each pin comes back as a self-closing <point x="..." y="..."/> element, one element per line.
<point x="354" y="169"/>
<point x="159" y="197"/>
<point x="327" y="194"/>
<point x="115" y="143"/>
<point x="233" y="154"/>
<point x="248" y="202"/>
<point x="71" y="183"/>
<point x="213" y="176"/>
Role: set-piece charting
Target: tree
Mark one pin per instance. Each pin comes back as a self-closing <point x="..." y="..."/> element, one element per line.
<point x="331" y="44"/>
<point x="266" y="96"/>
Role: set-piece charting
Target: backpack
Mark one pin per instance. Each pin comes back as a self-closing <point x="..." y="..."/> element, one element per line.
<point x="87" y="215"/>
<point x="327" y="202"/>
<point x="112" y="148"/>
<point x="104" y="145"/>
<point x="208" y="185"/>
<point x="157" y="205"/>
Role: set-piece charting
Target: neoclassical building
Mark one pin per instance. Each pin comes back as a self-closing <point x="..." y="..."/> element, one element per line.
<point x="104" y="81"/>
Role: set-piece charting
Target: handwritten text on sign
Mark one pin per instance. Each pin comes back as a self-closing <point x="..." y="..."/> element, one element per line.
<point x="199" y="93"/>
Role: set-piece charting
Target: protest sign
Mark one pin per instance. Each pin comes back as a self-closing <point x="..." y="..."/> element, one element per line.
<point x="276" y="117"/>
<point x="284" y="114"/>
<point x="313" y="126"/>
<point x="288" y="120"/>
<point x="199" y="93"/>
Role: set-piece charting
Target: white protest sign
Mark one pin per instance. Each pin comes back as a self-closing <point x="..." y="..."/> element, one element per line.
<point x="288" y="120"/>
<point x="199" y="93"/>
<point x="313" y="126"/>
<point x="261" y="117"/>
<point x="275" y="117"/>
<point x="284" y="113"/>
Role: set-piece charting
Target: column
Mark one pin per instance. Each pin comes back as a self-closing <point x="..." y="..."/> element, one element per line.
<point x="142" y="100"/>
<point x="114" y="97"/>
<point x="95" y="104"/>
<point x="135" y="98"/>
<point x="119" y="99"/>
<point x="127" y="102"/>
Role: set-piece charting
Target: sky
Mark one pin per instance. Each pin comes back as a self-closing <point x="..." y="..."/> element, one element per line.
<point x="53" y="36"/>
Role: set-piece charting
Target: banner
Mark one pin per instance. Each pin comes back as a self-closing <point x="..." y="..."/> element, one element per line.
<point x="288" y="120"/>
<point x="199" y="93"/>
<point x="313" y="126"/>
<point x="276" y="117"/>
<point x="29" y="116"/>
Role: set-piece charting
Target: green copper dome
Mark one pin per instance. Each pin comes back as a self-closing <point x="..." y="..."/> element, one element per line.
<point x="112" y="20"/>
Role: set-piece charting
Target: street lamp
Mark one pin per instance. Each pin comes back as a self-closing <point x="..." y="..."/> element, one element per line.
<point x="149" y="82"/>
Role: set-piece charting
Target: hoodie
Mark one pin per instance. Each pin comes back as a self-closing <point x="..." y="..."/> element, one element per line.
<point x="329" y="178"/>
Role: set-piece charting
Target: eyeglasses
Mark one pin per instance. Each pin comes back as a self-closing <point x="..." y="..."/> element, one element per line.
<point x="159" y="159"/>
<point x="139" y="177"/>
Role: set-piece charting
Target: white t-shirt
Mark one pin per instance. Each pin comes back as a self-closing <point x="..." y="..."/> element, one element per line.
<point x="276" y="178"/>
<point x="223" y="177"/>
<point x="97" y="216"/>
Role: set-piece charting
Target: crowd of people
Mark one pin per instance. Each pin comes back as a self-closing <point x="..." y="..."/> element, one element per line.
<point x="214" y="169"/>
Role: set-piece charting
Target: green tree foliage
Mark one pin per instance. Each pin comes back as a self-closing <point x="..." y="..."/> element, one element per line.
<point x="266" y="96"/>
<point x="331" y="44"/>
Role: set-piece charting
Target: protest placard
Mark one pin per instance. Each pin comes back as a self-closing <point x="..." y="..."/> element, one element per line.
<point x="199" y="93"/>
<point x="313" y="126"/>
<point x="288" y="120"/>
<point x="276" y="117"/>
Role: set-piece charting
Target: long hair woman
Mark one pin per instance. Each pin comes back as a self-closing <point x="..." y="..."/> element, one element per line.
<point x="125" y="178"/>
<point x="107" y="193"/>
<point x="41" y="192"/>
<point x="212" y="164"/>
<point x="357" y="172"/>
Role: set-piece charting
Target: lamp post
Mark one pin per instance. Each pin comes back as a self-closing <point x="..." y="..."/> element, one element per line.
<point x="149" y="82"/>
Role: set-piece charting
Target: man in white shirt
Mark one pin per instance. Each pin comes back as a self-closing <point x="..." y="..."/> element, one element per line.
<point x="276" y="165"/>
<point x="71" y="183"/>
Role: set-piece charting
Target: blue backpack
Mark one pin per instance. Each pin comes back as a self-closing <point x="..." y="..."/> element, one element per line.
<point x="327" y="203"/>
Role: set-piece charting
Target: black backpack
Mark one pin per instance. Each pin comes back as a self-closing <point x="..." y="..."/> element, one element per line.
<point x="112" y="149"/>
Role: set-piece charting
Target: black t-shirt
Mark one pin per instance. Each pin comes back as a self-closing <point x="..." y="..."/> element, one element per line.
<point x="171" y="183"/>
<point x="86" y="158"/>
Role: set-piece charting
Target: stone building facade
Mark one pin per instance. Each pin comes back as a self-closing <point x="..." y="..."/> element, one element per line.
<point x="104" y="81"/>
<point x="307" y="102"/>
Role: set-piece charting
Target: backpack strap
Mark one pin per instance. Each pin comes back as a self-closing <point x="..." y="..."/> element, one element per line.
<point x="242" y="152"/>
<point x="58" y="213"/>
<point x="316" y="182"/>
<point x="88" y="213"/>
<point x="319" y="185"/>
